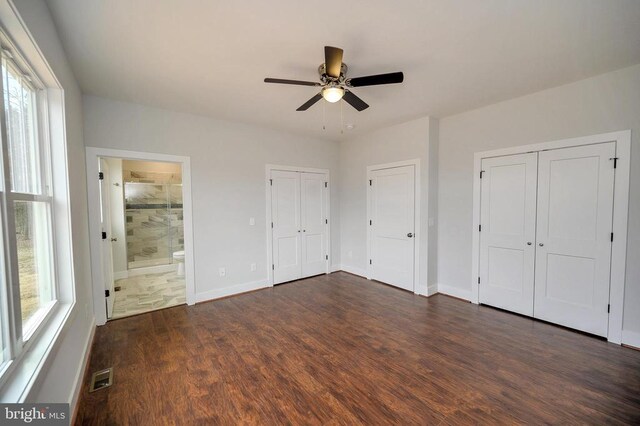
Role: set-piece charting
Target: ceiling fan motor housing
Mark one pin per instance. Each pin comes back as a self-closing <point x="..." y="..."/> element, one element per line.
<point x="327" y="79"/>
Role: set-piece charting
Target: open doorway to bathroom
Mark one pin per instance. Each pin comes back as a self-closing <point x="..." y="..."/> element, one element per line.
<point x="141" y="216"/>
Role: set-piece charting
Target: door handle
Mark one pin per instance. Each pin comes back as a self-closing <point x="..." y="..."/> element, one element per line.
<point x="541" y="244"/>
<point x="409" y="235"/>
<point x="528" y="243"/>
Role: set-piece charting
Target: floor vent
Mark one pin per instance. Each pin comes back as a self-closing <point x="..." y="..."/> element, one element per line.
<point x="101" y="379"/>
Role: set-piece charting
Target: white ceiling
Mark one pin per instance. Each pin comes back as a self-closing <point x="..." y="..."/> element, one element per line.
<point x="210" y="57"/>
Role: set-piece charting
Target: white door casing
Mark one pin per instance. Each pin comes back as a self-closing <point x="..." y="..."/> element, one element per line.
<point x="105" y="226"/>
<point x="392" y="226"/>
<point x="574" y="225"/>
<point x="286" y="231"/>
<point x="313" y="221"/>
<point x="508" y="226"/>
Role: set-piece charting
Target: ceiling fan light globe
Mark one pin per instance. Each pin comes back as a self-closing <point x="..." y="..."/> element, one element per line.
<point x="332" y="94"/>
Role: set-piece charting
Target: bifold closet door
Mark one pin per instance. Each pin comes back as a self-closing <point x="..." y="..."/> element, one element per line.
<point x="573" y="260"/>
<point x="285" y="216"/>
<point x="313" y="222"/>
<point x="508" y="227"/>
<point x="392" y="215"/>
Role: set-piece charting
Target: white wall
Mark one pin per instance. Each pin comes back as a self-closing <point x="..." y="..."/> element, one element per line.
<point x="605" y="103"/>
<point x="228" y="180"/>
<point x="116" y="207"/>
<point x="405" y="141"/>
<point x="58" y="383"/>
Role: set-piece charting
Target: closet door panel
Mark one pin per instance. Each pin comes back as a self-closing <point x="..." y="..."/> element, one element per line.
<point x="508" y="220"/>
<point x="285" y="215"/>
<point x="574" y="222"/>
<point x="314" y="229"/>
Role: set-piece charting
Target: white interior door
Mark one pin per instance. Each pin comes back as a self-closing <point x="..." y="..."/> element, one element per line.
<point x="105" y="226"/>
<point x="392" y="216"/>
<point x="508" y="228"/>
<point x="285" y="216"/>
<point x="314" y="223"/>
<point x="575" y="205"/>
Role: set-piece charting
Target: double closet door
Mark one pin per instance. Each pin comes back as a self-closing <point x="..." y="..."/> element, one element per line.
<point x="299" y="225"/>
<point x="545" y="236"/>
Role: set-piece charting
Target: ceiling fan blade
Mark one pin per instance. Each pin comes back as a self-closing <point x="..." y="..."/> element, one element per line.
<point x="333" y="61"/>
<point x="374" y="80"/>
<point x="296" y="82"/>
<point x="305" y="106"/>
<point x="354" y="101"/>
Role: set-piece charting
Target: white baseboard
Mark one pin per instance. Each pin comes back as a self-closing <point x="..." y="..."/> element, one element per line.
<point x="79" y="376"/>
<point x="354" y="270"/>
<point x="631" y="338"/>
<point x="231" y="290"/>
<point x="455" y="292"/>
<point x="120" y="275"/>
<point x="432" y="289"/>
<point x="335" y="268"/>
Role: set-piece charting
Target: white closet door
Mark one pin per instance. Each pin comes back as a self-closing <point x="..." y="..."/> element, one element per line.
<point x="285" y="215"/>
<point x="575" y="205"/>
<point x="392" y="214"/>
<point x="314" y="228"/>
<point x="508" y="221"/>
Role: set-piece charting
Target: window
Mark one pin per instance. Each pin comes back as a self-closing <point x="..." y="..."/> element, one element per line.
<point x="28" y="291"/>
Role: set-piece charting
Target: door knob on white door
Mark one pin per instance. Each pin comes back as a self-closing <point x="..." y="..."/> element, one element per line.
<point x="541" y="244"/>
<point x="409" y="235"/>
<point x="528" y="243"/>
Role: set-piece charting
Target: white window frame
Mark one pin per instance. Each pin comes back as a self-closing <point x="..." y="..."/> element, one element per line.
<point x="31" y="355"/>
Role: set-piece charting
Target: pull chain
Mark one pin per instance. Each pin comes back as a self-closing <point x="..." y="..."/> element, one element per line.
<point x="341" y="117"/>
<point x="324" y="115"/>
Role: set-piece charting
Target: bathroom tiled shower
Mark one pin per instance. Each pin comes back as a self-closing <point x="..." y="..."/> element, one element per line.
<point x="154" y="218"/>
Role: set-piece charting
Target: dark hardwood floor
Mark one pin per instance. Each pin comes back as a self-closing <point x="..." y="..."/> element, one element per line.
<point x="343" y="350"/>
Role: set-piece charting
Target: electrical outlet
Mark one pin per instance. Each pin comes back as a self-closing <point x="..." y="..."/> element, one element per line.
<point x="253" y="266"/>
<point x="222" y="272"/>
<point x="252" y="221"/>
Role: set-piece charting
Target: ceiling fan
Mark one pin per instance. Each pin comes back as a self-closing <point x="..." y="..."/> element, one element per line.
<point x="335" y="84"/>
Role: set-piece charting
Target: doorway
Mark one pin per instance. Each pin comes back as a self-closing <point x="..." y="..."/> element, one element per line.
<point x="141" y="260"/>
<point x="392" y="223"/>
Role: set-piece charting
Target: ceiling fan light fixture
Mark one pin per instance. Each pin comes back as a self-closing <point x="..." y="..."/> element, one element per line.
<point x="332" y="93"/>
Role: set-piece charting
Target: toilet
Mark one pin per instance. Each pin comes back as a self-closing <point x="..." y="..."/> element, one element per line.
<point x="178" y="257"/>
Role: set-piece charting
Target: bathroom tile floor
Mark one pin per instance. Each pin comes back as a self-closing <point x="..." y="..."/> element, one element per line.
<point x="149" y="292"/>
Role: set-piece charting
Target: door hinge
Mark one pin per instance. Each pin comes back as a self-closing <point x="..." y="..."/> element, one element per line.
<point x="370" y="222"/>
<point x="478" y="280"/>
<point x="107" y="293"/>
<point x="271" y="182"/>
<point x="481" y="172"/>
<point x="370" y="182"/>
<point x="104" y="235"/>
<point x="326" y="221"/>
<point x="271" y="225"/>
<point x="273" y="267"/>
<point x="326" y="184"/>
<point x="479" y="228"/>
<point x="615" y="161"/>
<point x="326" y="257"/>
<point x="609" y="308"/>
<point x="370" y="263"/>
<point x="612" y="237"/>
<point x="100" y="176"/>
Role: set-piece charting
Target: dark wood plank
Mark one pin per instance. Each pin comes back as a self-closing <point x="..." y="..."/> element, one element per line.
<point x="340" y="349"/>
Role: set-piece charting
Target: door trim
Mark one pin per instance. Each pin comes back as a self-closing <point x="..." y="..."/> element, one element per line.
<point x="92" y="156"/>
<point x="620" y="215"/>
<point x="416" y="218"/>
<point x="268" y="169"/>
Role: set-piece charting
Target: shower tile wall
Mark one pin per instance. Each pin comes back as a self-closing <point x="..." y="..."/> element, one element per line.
<point x="154" y="220"/>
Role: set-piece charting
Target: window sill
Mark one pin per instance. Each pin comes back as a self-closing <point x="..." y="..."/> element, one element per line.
<point x="23" y="372"/>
